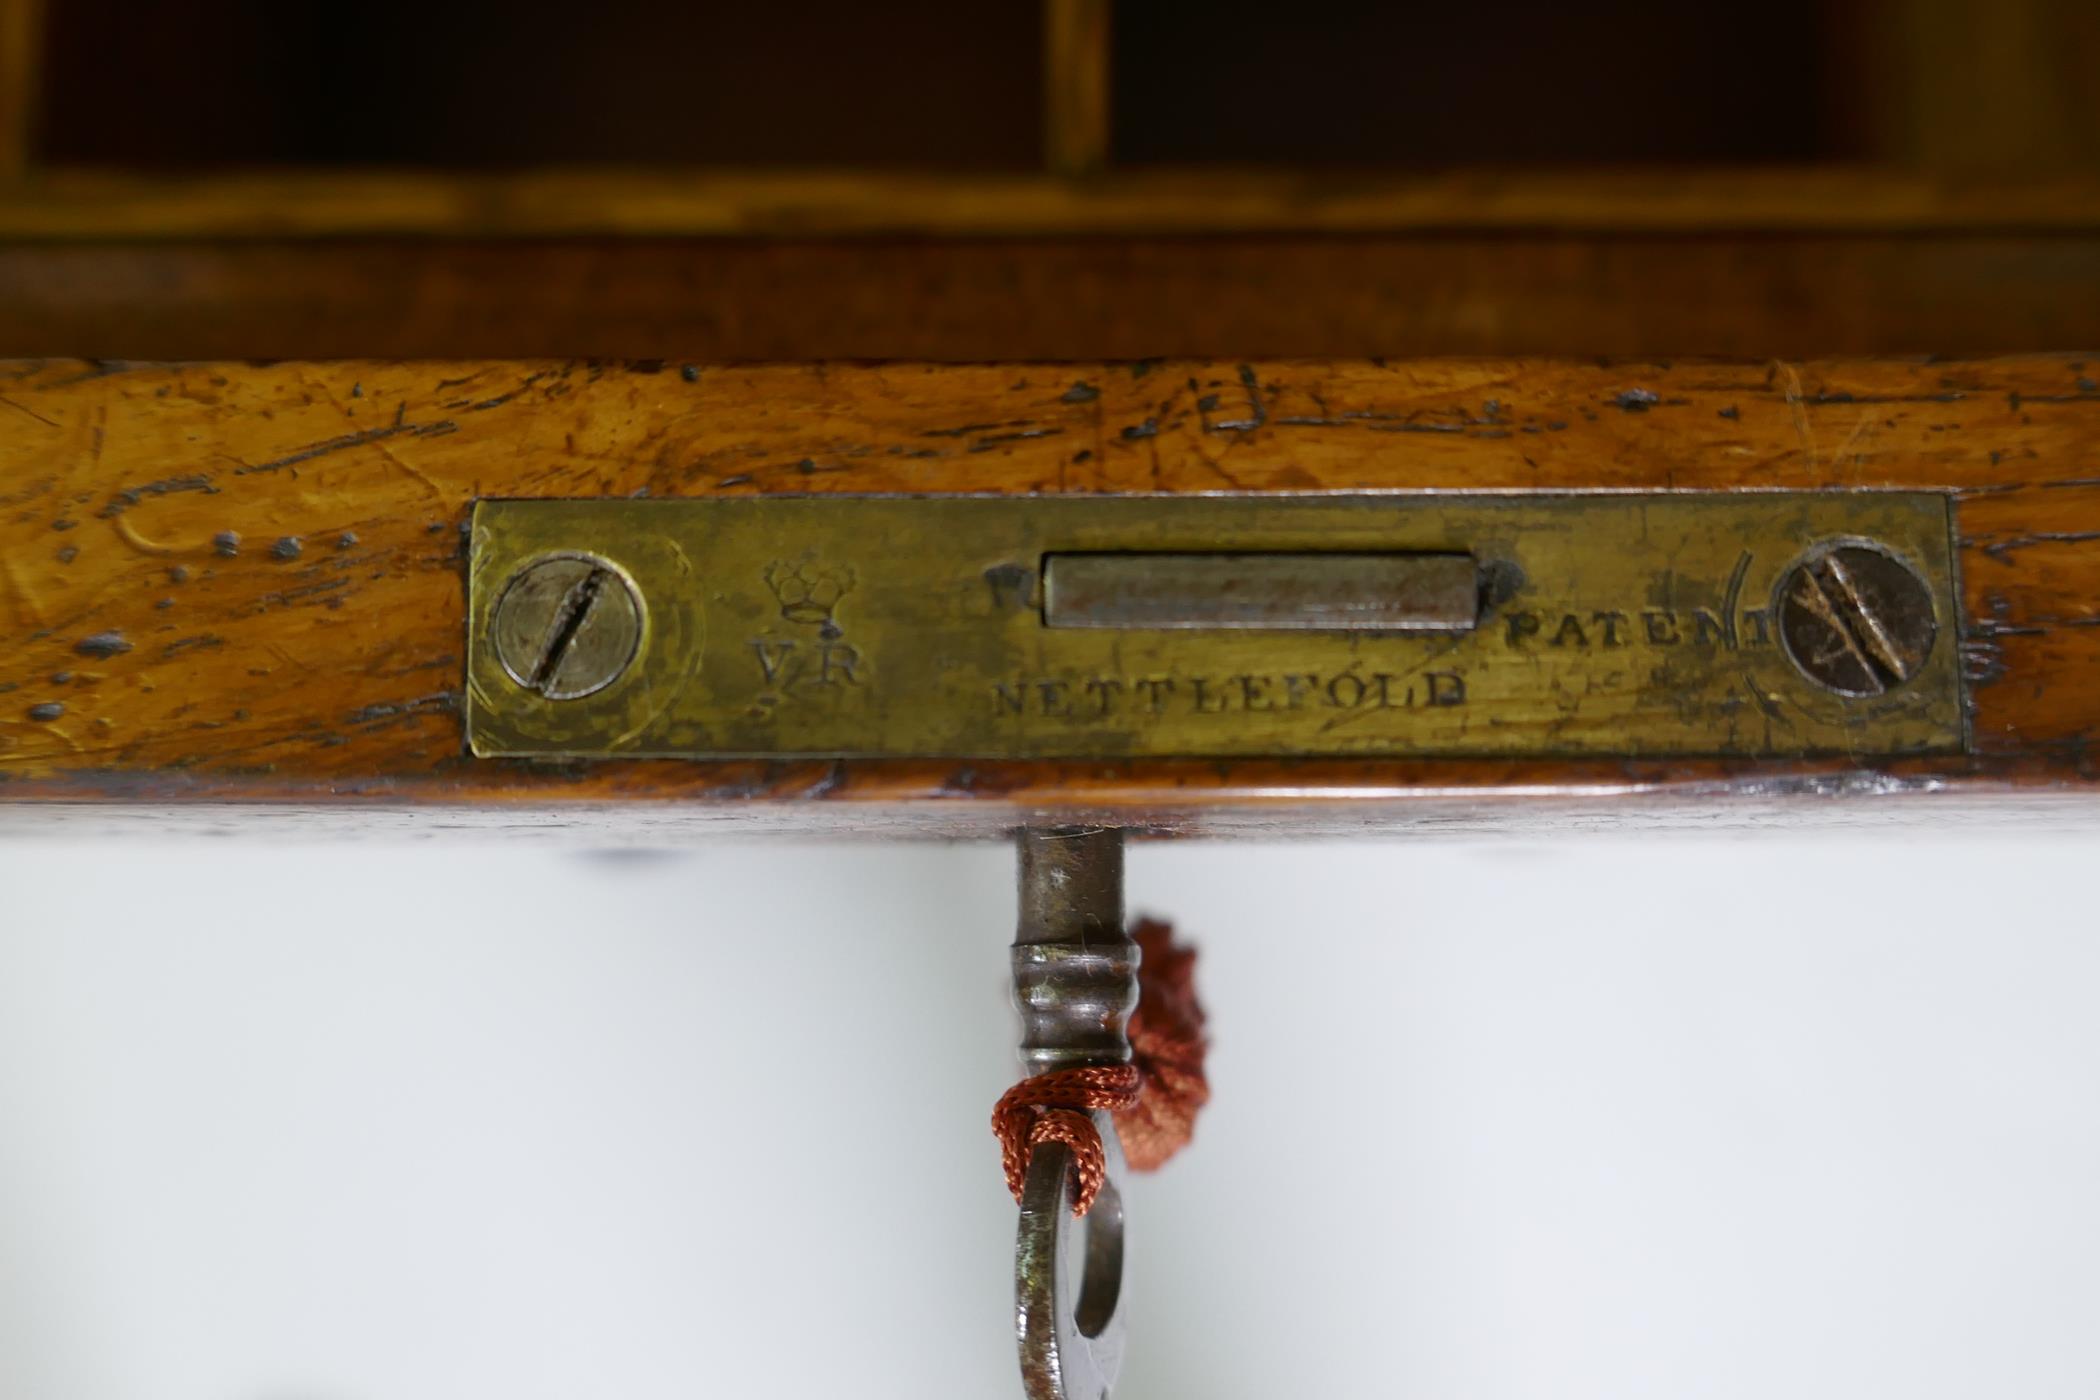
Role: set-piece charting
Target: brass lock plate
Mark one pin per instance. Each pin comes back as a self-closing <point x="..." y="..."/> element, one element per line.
<point x="1758" y="624"/>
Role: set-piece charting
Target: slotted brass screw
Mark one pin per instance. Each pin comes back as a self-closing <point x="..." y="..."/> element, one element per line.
<point x="1857" y="620"/>
<point x="564" y="628"/>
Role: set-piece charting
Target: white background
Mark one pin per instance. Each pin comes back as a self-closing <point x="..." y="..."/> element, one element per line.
<point x="1805" y="1116"/>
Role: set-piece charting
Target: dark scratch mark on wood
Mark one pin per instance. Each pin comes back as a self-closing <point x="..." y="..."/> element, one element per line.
<point x="293" y="595"/>
<point x="973" y="429"/>
<point x="2001" y="550"/>
<point x="1826" y="400"/>
<point x="986" y="444"/>
<point x="1257" y="409"/>
<point x="440" y="702"/>
<point x="350" y="440"/>
<point x="131" y="495"/>
<point x="23" y="408"/>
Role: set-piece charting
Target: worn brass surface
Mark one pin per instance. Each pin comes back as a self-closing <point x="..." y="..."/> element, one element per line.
<point x="1624" y="624"/>
<point x="1263" y="592"/>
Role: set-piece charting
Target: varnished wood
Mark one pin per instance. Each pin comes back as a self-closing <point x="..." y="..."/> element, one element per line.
<point x="21" y="68"/>
<point x="811" y="266"/>
<point x="74" y="205"/>
<point x="245" y="582"/>
<point x="1074" y="298"/>
<point x="2003" y="85"/>
<point x="1076" y="58"/>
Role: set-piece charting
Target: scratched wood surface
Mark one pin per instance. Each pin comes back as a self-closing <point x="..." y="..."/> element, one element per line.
<point x="244" y="583"/>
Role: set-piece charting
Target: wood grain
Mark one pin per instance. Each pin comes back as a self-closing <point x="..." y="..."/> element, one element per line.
<point x="244" y="583"/>
<point x="810" y="266"/>
<point x="1314" y="296"/>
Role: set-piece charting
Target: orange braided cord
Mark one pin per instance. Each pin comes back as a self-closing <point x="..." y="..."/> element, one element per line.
<point x="1054" y="1107"/>
<point x="1154" y="1098"/>
<point x="1167" y="1045"/>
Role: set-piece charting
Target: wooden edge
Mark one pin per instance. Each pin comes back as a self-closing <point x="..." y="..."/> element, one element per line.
<point x="1073" y="298"/>
<point x="1363" y="787"/>
<point x="242" y="584"/>
<point x="1077" y="38"/>
<point x="21" y="65"/>
<point x="79" y="205"/>
<point x="660" y="822"/>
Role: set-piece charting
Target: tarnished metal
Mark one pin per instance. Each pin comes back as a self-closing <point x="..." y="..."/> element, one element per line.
<point x="1068" y="1279"/>
<point x="565" y="627"/>
<point x="1622" y="624"/>
<point x="1074" y="965"/>
<point x="1070" y="885"/>
<point x="1075" y="999"/>
<point x="1856" y="620"/>
<point x="1075" y="981"/>
<point x="1271" y="592"/>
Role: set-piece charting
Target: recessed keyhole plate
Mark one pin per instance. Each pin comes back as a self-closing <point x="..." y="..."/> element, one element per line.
<point x="1621" y="624"/>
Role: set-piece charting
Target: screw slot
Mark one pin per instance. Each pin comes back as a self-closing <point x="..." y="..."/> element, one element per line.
<point x="566" y="627"/>
<point x="1855" y="619"/>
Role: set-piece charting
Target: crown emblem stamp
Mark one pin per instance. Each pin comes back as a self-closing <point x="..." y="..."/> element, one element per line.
<point x="809" y="592"/>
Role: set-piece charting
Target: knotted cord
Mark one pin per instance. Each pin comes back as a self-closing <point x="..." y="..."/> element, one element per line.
<point x="1154" y="1098"/>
